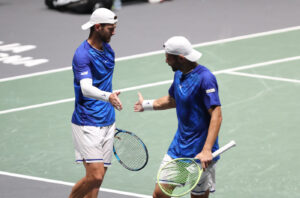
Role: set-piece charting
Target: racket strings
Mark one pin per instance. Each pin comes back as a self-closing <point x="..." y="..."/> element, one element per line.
<point x="130" y="150"/>
<point x="178" y="177"/>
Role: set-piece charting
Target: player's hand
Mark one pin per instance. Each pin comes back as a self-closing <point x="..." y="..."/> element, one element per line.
<point x="205" y="156"/>
<point x="115" y="101"/>
<point x="138" y="106"/>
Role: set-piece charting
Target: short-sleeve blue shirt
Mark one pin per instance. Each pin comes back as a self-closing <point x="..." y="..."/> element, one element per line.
<point x="194" y="93"/>
<point x="89" y="62"/>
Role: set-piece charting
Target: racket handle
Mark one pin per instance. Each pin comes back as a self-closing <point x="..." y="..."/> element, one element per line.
<point x="224" y="148"/>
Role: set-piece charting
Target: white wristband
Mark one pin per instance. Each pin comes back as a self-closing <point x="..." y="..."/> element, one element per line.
<point x="148" y="105"/>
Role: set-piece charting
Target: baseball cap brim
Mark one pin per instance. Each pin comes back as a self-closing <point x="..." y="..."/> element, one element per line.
<point x="87" y="25"/>
<point x="194" y="56"/>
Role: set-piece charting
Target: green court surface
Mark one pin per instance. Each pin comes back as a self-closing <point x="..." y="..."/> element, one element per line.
<point x="260" y="105"/>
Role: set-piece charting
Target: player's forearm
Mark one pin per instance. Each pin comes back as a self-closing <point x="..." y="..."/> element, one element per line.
<point x="166" y="102"/>
<point x="214" y="128"/>
<point x="88" y="90"/>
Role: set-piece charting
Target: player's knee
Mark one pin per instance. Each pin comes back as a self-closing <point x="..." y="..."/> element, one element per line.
<point x="158" y="194"/>
<point x="154" y="195"/>
<point x="95" y="180"/>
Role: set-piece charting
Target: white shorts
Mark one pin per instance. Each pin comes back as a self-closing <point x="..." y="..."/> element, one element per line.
<point x="207" y="180"/>
<point x="93" y="144"/>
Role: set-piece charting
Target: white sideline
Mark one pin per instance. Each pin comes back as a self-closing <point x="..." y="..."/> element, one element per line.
<point x="69" y="184"/>
<point x="264" y="77"/>
<point x="226" y="71"/>
<point x="161" y="51"/>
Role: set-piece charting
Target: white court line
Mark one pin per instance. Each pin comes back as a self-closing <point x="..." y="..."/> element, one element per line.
<point x="248" y="36"/>
<point x="146" y="85"/>
<point x="70" y="184"/>
<point x="37" y="106"/>
<point x="35" y="74"/>
<point x="72" y="99"/>
<point x="272" y="62"/>
<point x="161" y="51"/>
<point x="264" y="77"/>
<point x="156" y="83"/>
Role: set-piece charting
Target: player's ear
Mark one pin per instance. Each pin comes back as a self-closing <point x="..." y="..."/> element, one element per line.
<point x="181" y="58"/>
<point x="97" y="26"/>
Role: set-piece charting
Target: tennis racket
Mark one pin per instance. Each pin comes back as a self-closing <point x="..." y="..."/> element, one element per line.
<point x="130" y="150"/>
<point x="181" y="175"/>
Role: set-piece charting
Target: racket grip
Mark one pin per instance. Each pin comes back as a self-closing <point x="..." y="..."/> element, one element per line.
<point x="224" y="148"/>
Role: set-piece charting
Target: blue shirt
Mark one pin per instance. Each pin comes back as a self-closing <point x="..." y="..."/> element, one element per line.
<point x="89" y="62"/>
<point x="194" y="93"/>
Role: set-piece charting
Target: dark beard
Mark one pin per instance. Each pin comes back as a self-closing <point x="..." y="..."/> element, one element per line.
<point x="174" y="69"/>
<point x="106" y="40"/>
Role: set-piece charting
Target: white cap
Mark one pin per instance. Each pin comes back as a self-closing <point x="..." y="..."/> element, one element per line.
<point x="179" y="45"/>
<point x="100" y="15"/>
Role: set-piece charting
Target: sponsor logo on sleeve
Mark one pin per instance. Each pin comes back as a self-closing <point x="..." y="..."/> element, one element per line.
<point x="84" y="73"/>
<point x="210" y="90"/>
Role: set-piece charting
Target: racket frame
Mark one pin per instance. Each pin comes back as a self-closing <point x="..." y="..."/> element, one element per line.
<point x="142" y="143"/>
<point x="160" y="184"/>
<point x="214" y="154"/>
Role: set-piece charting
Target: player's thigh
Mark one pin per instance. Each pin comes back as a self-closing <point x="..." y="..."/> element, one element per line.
<point x="95" y="170"/>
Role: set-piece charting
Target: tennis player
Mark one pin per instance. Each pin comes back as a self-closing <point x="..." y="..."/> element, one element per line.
<point x="194" y="94"/>
<point x="93" y="120"/>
